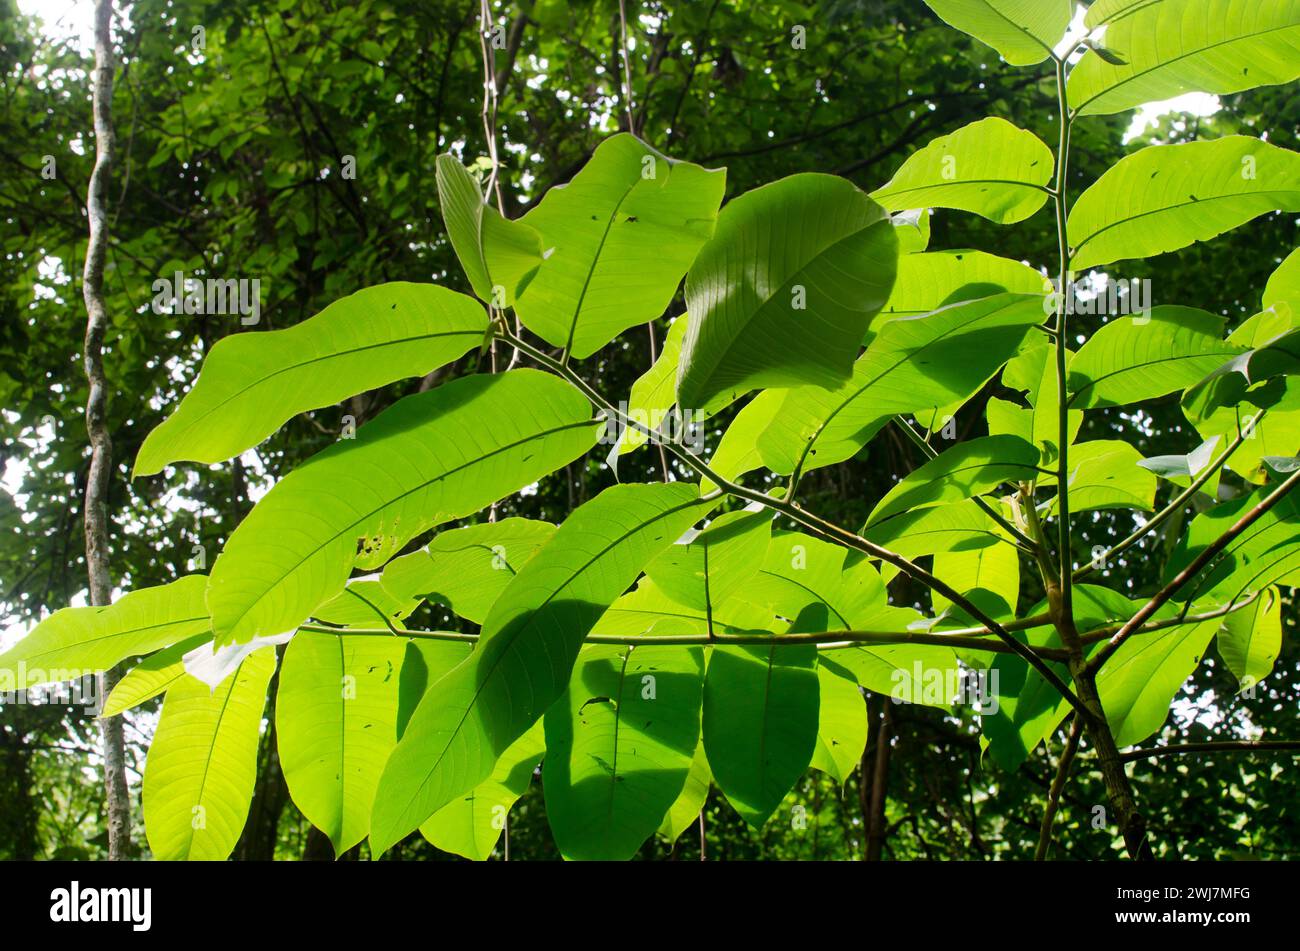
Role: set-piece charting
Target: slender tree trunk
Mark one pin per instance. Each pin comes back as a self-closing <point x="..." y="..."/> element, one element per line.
<point x="101" y="446"/>
<point x="875" y="806"/>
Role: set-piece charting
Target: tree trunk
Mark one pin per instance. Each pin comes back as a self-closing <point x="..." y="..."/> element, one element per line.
<point x="101" y="447"/>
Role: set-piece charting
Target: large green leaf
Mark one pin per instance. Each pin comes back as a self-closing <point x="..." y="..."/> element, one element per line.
<point x="335" y="720"/>
<point x="619" y="745"/>
<point x="784" y="292"/>
<point x="966" y="470"/>
<point x="760" y="723"/>
<point x="251" y="383"/>
<point x="935" y="279"/>
<point x="989" y="167"/>
<point x="1251" y="638"/>
<point x="429" y="458"/>
<point x="1166" y="197"/>
<point x="472" y="825"/>
<point x="528" y="645"/>
<point x="1140" y="358"/>
<point x="466" y="569"/>
<point x="1024" y="31"/>
<point x="73" y="642"/>
<point x="620" y="235"/>
<point x="1170" y="47"/>
<point x="841" y="722"/>
<point x="1141" y="679"/>
<point x="202" y="763"/>
<point x="913" y="365"/>
<point x="498" y="255"/>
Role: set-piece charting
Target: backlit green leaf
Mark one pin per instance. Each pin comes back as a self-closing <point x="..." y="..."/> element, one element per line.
<point x="429" y="458"/>
<point x="989" y="167"/>
<point x="252" y="383"/>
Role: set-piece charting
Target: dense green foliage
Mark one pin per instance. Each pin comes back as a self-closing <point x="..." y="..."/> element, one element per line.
<point x="379" y="572"/>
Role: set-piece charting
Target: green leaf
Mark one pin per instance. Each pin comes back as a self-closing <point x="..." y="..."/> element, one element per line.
<point x="655" y="392"/>
<point x="801" y="571"/>
<point x="335" y="719"/>
<point x="1024" y="32"/>
<point x="202" y="763"/>
<point x="528" y="645"/>
<point x="252" y="383"/>
<point x="619" y="745"/>
<point x="784" y="292"/>
<point x="1284" y="284"/>
<point x="1144" y="675"/>
<point x="990" y="168"/>
<point x="429" y="458"/>
<point x="1251" y="638"/>
<point x="716" y="563"/>
<point x="1167" y="197"/>
<point x="153" y="675"/>
<point x="995" y="569"/>
<point x="911" y="366"/>
<point x="968" y="469"/>
<point x="466" y="569"/>
<point x="694" y="794"/>
<point x="1140" y="358"/>
<point x="498" y="255"/>
<point x="760" y="723"/>
<point x="841" y="723"/>
<point x="622" y="235"/>
<point x="927" y="282"/>
<point x="1172" y="47"/>
<point x="73" y="642"/>
<point x="472" y="825"/>
<point x="1107" y="474"/>
<point x="961" y="526"/>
